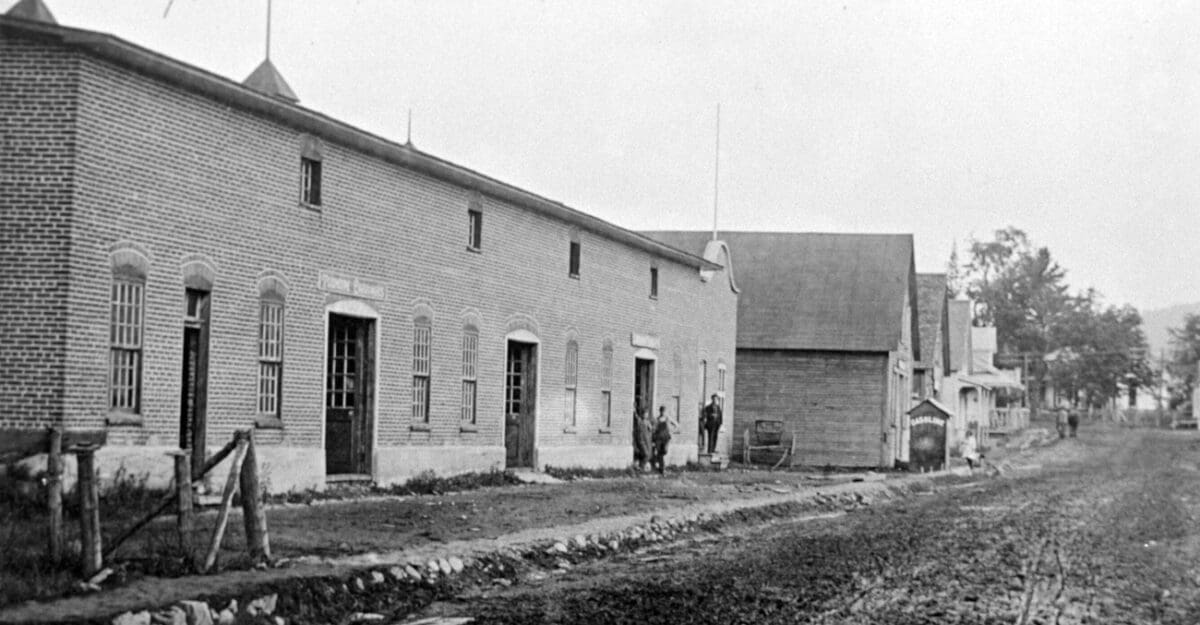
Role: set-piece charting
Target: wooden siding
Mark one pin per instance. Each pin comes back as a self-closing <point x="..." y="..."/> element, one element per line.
<point x="833" y="401"/>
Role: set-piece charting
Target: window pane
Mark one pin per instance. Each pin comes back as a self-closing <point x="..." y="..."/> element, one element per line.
<point x="569" y="406"/>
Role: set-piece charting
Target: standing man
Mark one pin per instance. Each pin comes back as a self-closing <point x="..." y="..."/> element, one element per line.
<point x="1073" y="420"/>
<point x="660" y="438"/>
<point x="712" y="422"/>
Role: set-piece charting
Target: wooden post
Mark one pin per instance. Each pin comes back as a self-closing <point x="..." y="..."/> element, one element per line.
<point x="746" y="446"/>
<point x="185" y="513"/>
<point x="253" y="514"/>
<point x="231" y="487"/>
<point x="54" y="493"/>
<point x="89" y="512"/>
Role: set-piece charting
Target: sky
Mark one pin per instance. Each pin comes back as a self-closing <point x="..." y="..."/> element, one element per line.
<point x="1078" y="122"/>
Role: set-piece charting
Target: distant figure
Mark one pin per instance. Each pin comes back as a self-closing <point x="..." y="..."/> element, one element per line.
<point x="712" y="422"/>
<point x="1073" y="421"/>
<point x="1060" y="422"/>
<point x="641" y="450"/>
<point x="660" y="438"/>
<point x="970" y="450"/>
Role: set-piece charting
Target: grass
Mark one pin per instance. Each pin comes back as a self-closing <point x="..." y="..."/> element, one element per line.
<point x="425" y="483"/>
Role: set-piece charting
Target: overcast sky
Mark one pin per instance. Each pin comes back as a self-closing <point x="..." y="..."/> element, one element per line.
<point x="1076" y="121"/>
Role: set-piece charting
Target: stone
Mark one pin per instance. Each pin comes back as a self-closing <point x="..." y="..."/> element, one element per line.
<point x="444" y="566"/>
<point x="377" y="577"/>
<point x="456" y="564"/>
<point x="196" y="612"/>
<point x="359" y="585"/>
<point x="99" y="578"/>
<point x="397" y="573"/>
<point x="172" y="616"/>
<point x="560" y="547"/>
<point x="432" y="565"/>
<point x="412" y="573"/>
<point x="226" y="617"/>
<point x="580" y="541"/>
<point x="562" y="564"/>
<point x="132" y="618"/>
<point x="366" y="617"/>
<point x="280" y="621"/>
<point x="614" y="544"/>
<point x="263" y="605"/>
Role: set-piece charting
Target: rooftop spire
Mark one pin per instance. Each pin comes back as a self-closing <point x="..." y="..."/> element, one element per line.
<point x="34" y="10"/>
<point x="265" y="78"/>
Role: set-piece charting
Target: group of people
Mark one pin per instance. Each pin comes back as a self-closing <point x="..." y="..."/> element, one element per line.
<point x="1066" y="421"/>
<point x="651" y="436"/>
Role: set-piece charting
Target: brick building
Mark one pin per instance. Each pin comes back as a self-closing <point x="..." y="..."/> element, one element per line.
<point x="185" y="255"/>
<point x="827" y="335"/>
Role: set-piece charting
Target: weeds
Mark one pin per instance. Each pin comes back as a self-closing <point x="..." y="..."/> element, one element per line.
<point x="424" y="483"/>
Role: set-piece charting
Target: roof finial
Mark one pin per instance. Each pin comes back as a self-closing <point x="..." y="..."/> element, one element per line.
<point x="717" y="172"/>
<point x="268" y="30"/>
<point x="408" y="139"/>
<point x="33" y="10"/>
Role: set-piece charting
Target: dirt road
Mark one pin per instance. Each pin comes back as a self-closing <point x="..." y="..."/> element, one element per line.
<point x="1104" y="531"/>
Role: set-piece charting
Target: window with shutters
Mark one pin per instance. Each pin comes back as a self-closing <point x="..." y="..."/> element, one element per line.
<point x="125" y="339"/>
<point x="270" y="357"/>
<point x="422" y="335"/>
<point x="654" y="282"/>
<point x="470" y="363"/>
<point x="310" y="181"/>
<point x="606" y="375"/>
<point x="570" y="382"/>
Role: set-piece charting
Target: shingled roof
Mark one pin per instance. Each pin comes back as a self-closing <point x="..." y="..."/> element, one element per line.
<point x="816" y="291"/>
<point x="931" y="304"/>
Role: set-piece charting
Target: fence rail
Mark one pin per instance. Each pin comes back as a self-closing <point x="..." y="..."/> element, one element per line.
<point x="1008" y="420"/>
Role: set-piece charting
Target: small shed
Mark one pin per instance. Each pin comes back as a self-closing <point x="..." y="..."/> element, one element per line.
<point x="929" y="449"/>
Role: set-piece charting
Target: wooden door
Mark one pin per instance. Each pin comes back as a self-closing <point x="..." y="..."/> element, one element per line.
<point x="194" y="387"/>
<point x="643" y="386"/>
<point x="520" y="393"/>
<point x="349" y="400"/>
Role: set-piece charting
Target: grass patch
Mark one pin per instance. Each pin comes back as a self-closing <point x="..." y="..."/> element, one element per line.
<point x="568" y="474"/>
<point x="425" y="483"/>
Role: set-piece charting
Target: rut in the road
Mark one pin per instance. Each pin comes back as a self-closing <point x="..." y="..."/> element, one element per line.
<point x="1104" y="536"/>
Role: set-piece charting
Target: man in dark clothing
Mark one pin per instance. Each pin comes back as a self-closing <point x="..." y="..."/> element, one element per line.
<point x="1073" y="421"/>
<point x="712" y="422"/>
<point x="660" y="438"/>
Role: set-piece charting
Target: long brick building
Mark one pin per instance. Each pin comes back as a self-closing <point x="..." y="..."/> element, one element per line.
<point x="184" y="255"/>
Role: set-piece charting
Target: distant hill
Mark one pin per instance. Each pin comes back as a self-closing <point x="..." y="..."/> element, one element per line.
<point x="1156" y="322"/>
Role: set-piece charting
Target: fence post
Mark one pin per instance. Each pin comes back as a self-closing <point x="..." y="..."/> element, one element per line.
<point x="746" y="446"/>
<point x="253" y="514"/>
<point x="89" y="512"/>
<point x="185" y="513"/>
<point x="231" y="487"/>
<point x="54" y="493"/>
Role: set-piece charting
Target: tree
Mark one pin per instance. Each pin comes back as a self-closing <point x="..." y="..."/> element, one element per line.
<point x="1100" y="350"/>
<point x="1181" y="367"/>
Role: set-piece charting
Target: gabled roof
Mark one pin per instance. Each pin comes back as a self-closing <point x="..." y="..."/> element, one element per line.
<point x="816" y="291"/>
<point x="171" y="71"/>
<point x="931" y="304"/>
<point x="960" y="336"/>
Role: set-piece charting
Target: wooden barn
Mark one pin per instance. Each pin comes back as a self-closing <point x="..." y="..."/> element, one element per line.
<point x="826" y="340"/>
<point x="934" y="324"/>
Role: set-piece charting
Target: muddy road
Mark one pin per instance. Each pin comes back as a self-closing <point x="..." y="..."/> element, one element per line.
<point x="1102" y="529"/>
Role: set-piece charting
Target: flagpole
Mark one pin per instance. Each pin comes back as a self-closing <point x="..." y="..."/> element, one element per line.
<point x="717" y="173"/>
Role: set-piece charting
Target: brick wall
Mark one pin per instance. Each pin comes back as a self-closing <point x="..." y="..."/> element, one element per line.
<point x="37" y="142"/>
<point x="182" y="177"/>
<point x="833" y="401"/>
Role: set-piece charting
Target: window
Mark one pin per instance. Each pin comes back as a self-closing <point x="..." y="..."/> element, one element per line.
<point x="606" y="374"/>
<point x="654" y="282"/>
<point x="310" y="181"/>
<point x="721" y="384"/>
<point x="475" y="224"/>
<point x="125" y="339"/>
<point x="422" y="331"/>
<point x="270" y="357"/>
<point x="475" y="221"/>
<point x="574" y="268"/>
<point x="470" y="350"/>
<point x="571" y="379"/>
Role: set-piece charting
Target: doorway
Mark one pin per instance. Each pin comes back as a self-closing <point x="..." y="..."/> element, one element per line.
<point x="194" y="393"/>
<point x="520" y="404"/>
<point x="643" y="385"/>
<point x="349" y="396"/>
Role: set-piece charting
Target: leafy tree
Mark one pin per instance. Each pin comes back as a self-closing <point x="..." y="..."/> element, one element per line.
<point x="1181" y="368"/>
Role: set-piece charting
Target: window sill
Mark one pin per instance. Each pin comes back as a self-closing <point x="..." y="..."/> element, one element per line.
<point x="573" y="276"/>
<point x="474" y="250"/>
<point x="468" y="428"/>
<point x="569" y="430"/>
<point x="606" y="430"/>
<point x="124" y="419"/>
<point x="654" y="297"/>
<point x="316" y="208"/>
<point x="266" y="422"/>
<point x="419" y="427"/>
